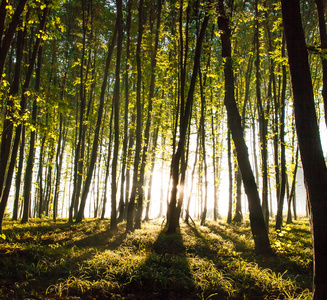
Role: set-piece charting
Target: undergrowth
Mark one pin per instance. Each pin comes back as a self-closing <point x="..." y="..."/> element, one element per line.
<point x="47" y="260"/>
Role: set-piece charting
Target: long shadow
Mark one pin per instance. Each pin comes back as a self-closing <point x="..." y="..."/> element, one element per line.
<point x="275" y="263"/>
<point x="165" y="274"/>
<point x="203" y="247"/>
<point x="47" y="261"/>
<point x="105" y="239"/>
<point x="240" y="245"/>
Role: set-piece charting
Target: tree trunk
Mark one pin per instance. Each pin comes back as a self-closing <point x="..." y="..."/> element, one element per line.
<point x="152" y="164"/>
<point x="94" y="152"/>
<point x="116" y="104"/>
<point x="313" y="162"/>
<point x="262" y="123"/>
<point x="40" y="179"/>
<point x="230" y="178"/>
<point x="259" y="230"/>
<point x="123" y="192"/>
<point x="80" y="147"/>
<point x="30" y="160"/>
<point x="59" y="158"/>
<point x="19" y="175"/>
<point x="104" y="202"/>
<point x="292" y="193"/>
<point x="145" y="154"/>
<point x="281" y="196"/>
<point x="188" y="202"/>
<point x="135" y="186"/>
<point x="203" y="144"/>
<point x="173" y="212"/>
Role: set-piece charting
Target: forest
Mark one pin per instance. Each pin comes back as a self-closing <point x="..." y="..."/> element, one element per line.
<point x="163" y="143"/>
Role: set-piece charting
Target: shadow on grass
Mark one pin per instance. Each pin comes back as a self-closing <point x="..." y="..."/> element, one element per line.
<point x="288" y="264"/>
<point x="165" y="273"/>
<point x="48" y="254"/>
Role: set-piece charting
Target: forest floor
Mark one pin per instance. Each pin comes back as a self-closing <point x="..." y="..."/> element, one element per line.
<point x="47" y="260"/>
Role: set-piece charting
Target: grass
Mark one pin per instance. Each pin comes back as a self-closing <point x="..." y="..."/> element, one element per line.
<point x="47" y="260"/>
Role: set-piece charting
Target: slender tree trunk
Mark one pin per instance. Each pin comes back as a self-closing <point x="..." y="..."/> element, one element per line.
<point x="259" y="230"/>
<point x="292" y="192"/>
<point x="203" y="146"/>
<point x="19" y="175"/>
<point x="152" y="164"/>
<point x="59" y="158"/>
<point x="262" y="123"/>
<point x="238" y="217"/>
<point x="40" y="179"/>
<point x="172" y="211"/>
<point x="94" y="152"/>
<point x="116" y="104"/>
<point x="135" y="186"/>
<point x="79" y="150"/>
<point x="30" y="160"/>
<point x="123" y="194"/>
<point x="139" y="210"/>
<point x="48" y="197"/>
<point x="313" y="162"/>
<point x="104" y="202"/>
<point x="280" y="204"/>
<point x="230" y="178"/>
<point x="188" y="202"/>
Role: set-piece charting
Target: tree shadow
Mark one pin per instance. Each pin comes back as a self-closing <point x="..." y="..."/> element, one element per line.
<point x="51" y="255"/>
<point x="278" y="264"/>
<point x="165" y="273"/>
<point x="104" y="240"/>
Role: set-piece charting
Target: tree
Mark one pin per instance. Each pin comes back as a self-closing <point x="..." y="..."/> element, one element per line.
<point x="258" y="227"/>
<point x="173" y="211"/>
<point x="314" y="168"/>
<point x="94" y="153"/>
<point x="137" y="158"/>
<point x="116" y="105"/>
<point x="146" y="138"/>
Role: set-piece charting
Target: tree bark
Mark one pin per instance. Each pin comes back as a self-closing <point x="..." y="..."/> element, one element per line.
<point x="145" y="154"/>
<point x="137" y="158"/>
<point x="259" y="230"/>
<point x="104" y="202"/>
<point x="230" y="178"/>
<point x="314" y="168"/>
<point x="116" y="104"/>
<point x="262" y="122"/>
<point x="30" y="159"/>
<point x="173" y="212"/>
<point x="281" y="196"/>
<point x="59" y="158"/>
<point x="94" y="152"/>
<point x="123" y="189"/>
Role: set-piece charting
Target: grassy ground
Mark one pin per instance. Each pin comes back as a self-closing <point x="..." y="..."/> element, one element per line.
<point x="46" y="260"/>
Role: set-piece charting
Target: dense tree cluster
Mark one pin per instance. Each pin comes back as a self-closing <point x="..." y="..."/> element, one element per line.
<point x="98" y="95"/>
